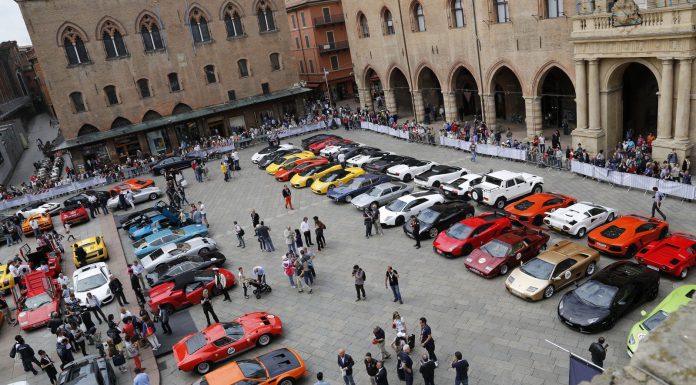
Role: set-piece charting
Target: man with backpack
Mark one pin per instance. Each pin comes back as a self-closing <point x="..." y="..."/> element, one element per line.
<point x="240" y="235"/>
<point x="360" y="278"/>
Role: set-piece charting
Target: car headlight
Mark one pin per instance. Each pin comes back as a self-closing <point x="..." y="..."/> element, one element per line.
<point x="592" y="320"/>
<point x="532" y="289"/>
<point x="631" y="340"/>
<point x="488" y="268"/>
<point x="469" y="260"/>
<point x="511" y="279"/>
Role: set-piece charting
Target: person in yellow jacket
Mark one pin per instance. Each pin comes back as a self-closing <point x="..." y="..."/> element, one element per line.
<point x="223" y="168"/>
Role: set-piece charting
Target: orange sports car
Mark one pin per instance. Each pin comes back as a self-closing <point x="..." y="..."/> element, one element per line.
<point x="285" y="173"/>
<point x="129" y="184"/>
<point x="532" y="209"/>
<point x="278" y="367"/>
<point x="626" y="235"/>
<point x="45" y="223"/>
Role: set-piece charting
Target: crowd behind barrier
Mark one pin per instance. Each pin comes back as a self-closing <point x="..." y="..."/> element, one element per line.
<point x="642" y="182"/>
<point x="53" y="193"/>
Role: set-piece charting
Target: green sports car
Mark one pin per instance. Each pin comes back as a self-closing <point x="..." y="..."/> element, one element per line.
<point x="678" y="297"/>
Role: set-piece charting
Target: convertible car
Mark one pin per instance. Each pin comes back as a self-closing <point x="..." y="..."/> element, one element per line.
<point x="466" y="235"/>
<point x="356" y="187"/>
<point x="506" y="251"/>
<point x="221" y="341"/>
<point x="533" y="208"/>
<point x="278" y="367"/>
<point x="626" y="235"/>
<point x="187" y="289"/>
<point x="674" y="255"/>
<point x="153" y="242"/>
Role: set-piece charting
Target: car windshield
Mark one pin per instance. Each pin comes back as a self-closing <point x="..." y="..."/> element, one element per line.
<point x="538" y="268"/>
<point x="36" y="301"/>
<point x="233" y="330"/>
<point x="596" y="293"/>
<point x="612" y="232"/>
<point x="355" y="183"/>
<point x="460" y="231"/>
<point x="268" y="150"/>
<point x="496" y="249"/>
<point x="397" y="205"/>
<point x="251" y="369"/>
<point x="428" y="216"/>
<point x="492" y="180"/>
<point x="655" y="320"/>
<point x="89" y="283"/>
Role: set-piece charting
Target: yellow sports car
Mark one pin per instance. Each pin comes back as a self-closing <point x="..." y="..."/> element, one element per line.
<point x="288" y="160"/>
<point x="336" y="179"/>
<point x="95" y="250"/>
<point x="6" y="279"/>
<point x="307" y="176"/>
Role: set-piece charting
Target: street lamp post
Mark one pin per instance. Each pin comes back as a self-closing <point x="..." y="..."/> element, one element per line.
<point x="328" y="90"/>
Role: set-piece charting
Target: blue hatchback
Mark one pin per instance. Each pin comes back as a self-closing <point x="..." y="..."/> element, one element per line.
<point x="356" y="187"/>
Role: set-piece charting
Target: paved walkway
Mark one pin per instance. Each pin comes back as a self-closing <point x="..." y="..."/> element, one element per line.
<point x="39" y="127"/>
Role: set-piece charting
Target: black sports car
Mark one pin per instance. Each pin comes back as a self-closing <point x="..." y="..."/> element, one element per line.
<point x="316" y="138"/>
<point x="173" y="163"/>
<point x="168" y="271"/>
<point x="277" y="156"/>
<point x="82" y="197"/>
<point x="381" y="165"/>
<point x="439" y="217"/>
<point x="599" y="302"/>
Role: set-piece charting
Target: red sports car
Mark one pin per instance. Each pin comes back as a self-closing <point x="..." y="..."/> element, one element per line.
<point x="131" y="184"/>
<point x="625" y="236"/>
<point x="187" y="289"/>
<point x="42" y="297"/>
<point x="318" y="146"/>
<point x="284" y="174"/>
<point x="533" y="208"/>
<point x="506" y="251"/>
<point x="74" y="213"/>
<point x="468" y="234"/>
<point x="220" y="341"/>
<point x="674" y="255"/>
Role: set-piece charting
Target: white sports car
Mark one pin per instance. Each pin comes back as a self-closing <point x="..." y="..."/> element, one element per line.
<point x="139" y="196"/>
<point x="360" y="160"/>
<point x="256" y="158"/>
<point x="438" y="175"/>
<point x="93" y="279"/>
<point x="194" y="246"/>
<point x="399" y="211"/>
<point x="460" y="187"/>
<point x="330" y="151"/>
<point x="410" y="168"/>
<point x="39" y="208"/>
<point x="580" y="218"/>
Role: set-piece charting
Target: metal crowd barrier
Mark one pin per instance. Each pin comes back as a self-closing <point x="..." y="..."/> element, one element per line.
<point x="52" y="193"/>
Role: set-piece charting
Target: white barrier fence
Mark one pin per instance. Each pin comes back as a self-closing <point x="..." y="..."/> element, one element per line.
<point x="305" y="129"/>
<point x="52" y="193"/>
<point x="642" y="182"/>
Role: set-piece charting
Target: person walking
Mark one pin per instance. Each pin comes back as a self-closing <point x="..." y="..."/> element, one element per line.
<point x="289" y="236"/>
<point x="240" y="235"/>
<point x="658" y="197"/>
<point x="345" y="363"/>
<point x="415" y="226"/>
<point x="461" y="368"/>
<point x="164" y="320"/>
<point x="392" y="279"/>
<point x="380" y="341"/>
<point x="94" y="305"/>
<point x="319" y="228"/>
<point x="264" y="233"/>
<point x="289" y="270"/>
<point x="427" y="370"/>
<point x="255" y="218"/>
<point x="221" y="284"/>
<point x="287" y="196"/>
<point x="399" y="326"/>
<point x="26" y="354"/>
<point x="135" y="285"/>
<point x="47" y="365"/>
<point x="304" y="227"/>
<point x="376" y="224"/>
<point x="367" y="221"/>
<point x="426" y="339"/>
<point x="472" y="148"/>
<point x="381" y="376"/>
<point x="243" y="280"/>
<point x="598" y="350"/>
<point x="208" y="310"/>
<point x="370" y="367"/>
<point x="406" y="364"/>
<point x="224" y="171"/>
<point x="360" y="278"/>
<point x="117" y="288"/>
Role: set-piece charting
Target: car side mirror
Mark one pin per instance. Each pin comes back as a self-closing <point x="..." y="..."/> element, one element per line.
<point x="643" y="313"/>
<point x="557" y="278"/>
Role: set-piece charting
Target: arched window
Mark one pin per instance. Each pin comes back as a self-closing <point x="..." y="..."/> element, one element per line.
<point x="265" y="15"/>
<point x="233" y="22"/>
<point x="243" y="68"/>
<point x="144" y="88"/>
<point x="199" y="27"/>
<point x="74" y="47"/>
<point x="210" y="76"/>
<point x="111" y="97"/>
<point x="149" y="30"/>
<point x="388" y="21"/>
<point x="77" y="102"/>
<point x="275" y="62"/>
<point x="113" y="41"/>
<point x="174" y="84"/>
<point x="457" y="14"/>
<point x="364" y="30"/>
<point x="419" y="18"/>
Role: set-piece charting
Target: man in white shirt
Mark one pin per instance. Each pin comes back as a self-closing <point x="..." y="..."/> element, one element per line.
<point x="34" y="223"/>
<point x="304" y="227"/>
<point x="94" y="305"/>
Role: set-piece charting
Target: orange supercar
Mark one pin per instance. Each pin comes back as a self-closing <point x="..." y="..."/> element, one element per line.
<point x="131" y="184"/>
<point x="533" y="209"/>
<point x="626" y="235"/>
<point x="45" y="223"/>
<point x="278" y="367"/>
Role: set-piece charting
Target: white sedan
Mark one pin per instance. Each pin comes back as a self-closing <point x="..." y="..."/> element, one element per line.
<point x="410" y="168"/>
<point x="256" y="158"/>
<point x="460" y="187"/>
<point x="39" y="208"/>
<point x="360" y="160"/>
<point x="580" y="218"/>
<point x="169" y="252"/>
<point x="438" y="175"/>
<point x="139" y="195"/>
<point x="93" y="279"/>
<point x="399" y="211"/>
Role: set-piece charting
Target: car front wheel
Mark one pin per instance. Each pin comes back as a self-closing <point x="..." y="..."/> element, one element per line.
<point x="287" y="381"/>
<point x="349" y="198"/>
<point x="153" y="196"/>
<point x="504" y="269"/>
<point x="581" y="232"/>
<point x="399" y="221"/>
<point x="548" y="292"/>
<point x="537" y="189"/>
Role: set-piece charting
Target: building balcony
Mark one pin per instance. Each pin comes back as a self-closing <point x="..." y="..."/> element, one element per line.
<point x="333" y="19"/>
<point x="333" y="46"/>
<point x="337" y="74"/>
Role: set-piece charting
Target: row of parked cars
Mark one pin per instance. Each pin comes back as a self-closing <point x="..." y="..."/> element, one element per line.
<point x="510" y="241"/>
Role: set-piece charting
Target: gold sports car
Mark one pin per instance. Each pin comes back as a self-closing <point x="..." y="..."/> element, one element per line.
<point x="562" y="264"/>
<point x="45" y="223"/>
<point x="95" y="249"/>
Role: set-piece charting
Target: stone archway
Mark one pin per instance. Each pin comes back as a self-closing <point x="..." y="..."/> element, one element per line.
<point x="430" y="94"/>
<point x="87" y="129"/>
<point x="466" y="94"/>
<point x="374" y="86"/>
<point x="507" y="95"/>
<point x="557" y="98"/>
<point x="398" y="84"/>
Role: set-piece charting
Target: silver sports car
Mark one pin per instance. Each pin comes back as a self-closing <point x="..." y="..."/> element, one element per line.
<point x="381" y="194"/>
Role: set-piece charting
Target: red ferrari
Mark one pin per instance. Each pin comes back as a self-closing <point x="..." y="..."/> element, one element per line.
<point x="284" y="174"/>
<point x="42" y="297"/>
<point x="674" y="255"/>
<point x="220" y="341"/>
<point x="468" y="234"/>
<point x="187" y="289"/>
<point x="318" y="146"/>
<point x="506" y="251"/>
<point x="74" y="213"/>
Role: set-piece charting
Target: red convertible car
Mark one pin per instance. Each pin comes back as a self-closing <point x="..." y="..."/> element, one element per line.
<point x="187" y="289"/>
<point x="674" y="255"/>
<point x="506" y="251"/>
<point x="220" y="341"/>
<point x="468" y="234"/>
<point x="42" y="297"/>
<point x="74" y="213"/>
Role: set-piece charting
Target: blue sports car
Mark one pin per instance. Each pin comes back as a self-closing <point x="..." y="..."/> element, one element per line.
<point x="155" y="224"/>
<point x="153" y="242"/>
<point x="356" y="187"/>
